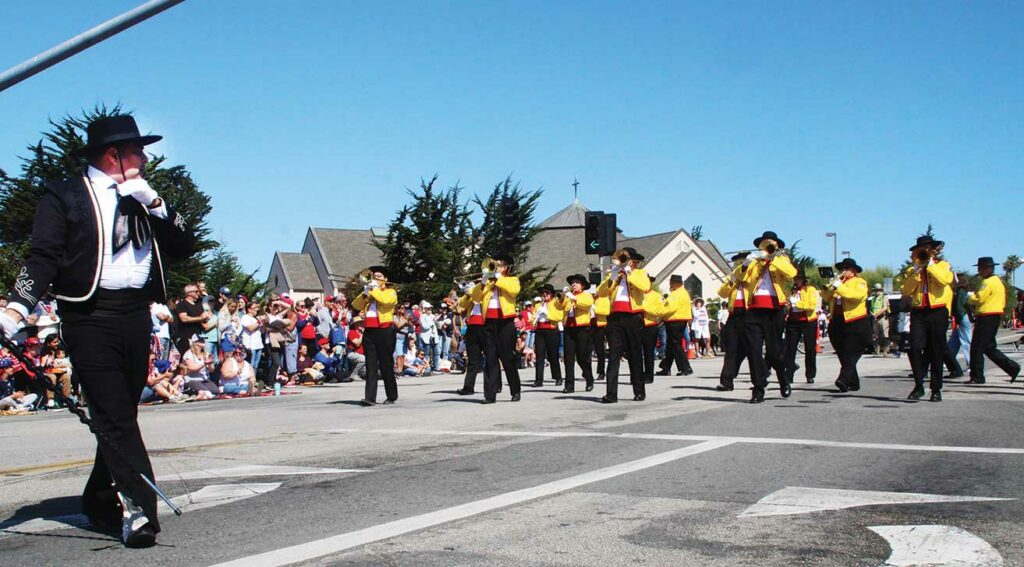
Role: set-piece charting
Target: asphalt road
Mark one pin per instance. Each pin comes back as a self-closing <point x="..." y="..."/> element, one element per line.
<point x="690" y="476"/>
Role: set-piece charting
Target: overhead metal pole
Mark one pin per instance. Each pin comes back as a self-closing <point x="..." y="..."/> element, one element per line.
<point x="83" y="41"/>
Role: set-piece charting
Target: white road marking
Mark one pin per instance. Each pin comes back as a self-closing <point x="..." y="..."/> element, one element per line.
<point x="252" y="471"/>
<point x="342" y="542"/>
<point x="671" y="437"/>
<point x="206" y="497"/>
<point x="801" y="500"/>
<point x="936" y="546"/>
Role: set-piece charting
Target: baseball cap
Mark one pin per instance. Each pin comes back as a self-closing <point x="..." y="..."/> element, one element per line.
<point x="225" y="290"/>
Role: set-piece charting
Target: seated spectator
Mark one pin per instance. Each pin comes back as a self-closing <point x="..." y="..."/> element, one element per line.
<point x="197" y="365"/>
<point x="237" y="376"/>
<point x="356" y="359"/>
<point x="412" y="363"/>
<point x="160" y="384"/>
<point x="57" y="367"/>
<point x="332" y="364"/>
<point x="12" y="399"/>
<point x="307" y="367"/>
<point x="521" y="350"/>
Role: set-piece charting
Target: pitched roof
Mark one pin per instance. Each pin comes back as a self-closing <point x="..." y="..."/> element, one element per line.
<point x="569" y="217"/>
<point x="299" y="272"/>
<point x="346" y="252"/>
<point x="648" y="245"/>
<point x="559" y="249"/>
<point x="715" y="254"/>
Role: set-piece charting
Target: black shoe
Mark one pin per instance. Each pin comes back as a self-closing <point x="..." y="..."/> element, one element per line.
<point x="757" y="400"/>
<point x="465" y="392"/>
<point x="538" y="384"/>
<point x="558" y="382"/>
<point x="600" y="377"/>
<point x="936" y="396"/>
<point x="663" y="373"/>
<point x="488" y="401"/>
<point x="1013" y="377"/>
<point x="843" y="388"/>
<point x="367" y="403"/>
<point x="722" y="388"/>
<point x="389" y="401"/>
<point x="639" y="397"/>
<point x="346" y="379"/>
<point x="590" y="387"/>
<point x="955" y="375"/>
<point x="648" y="380"/>
<point x="975" y="381"/>
<point x="687" y="372"/>
<point x="810" y="380"/>
<point x="141" y="538"/>
<point x="516" y="398"/>
<point x="917" y="393"/>
<point x="607" y="400"/>
<point x="786" y="389"/>
<point x="568" y="391"/>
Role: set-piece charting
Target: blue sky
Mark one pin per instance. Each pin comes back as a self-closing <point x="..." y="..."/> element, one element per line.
<point x="867" y="119"/>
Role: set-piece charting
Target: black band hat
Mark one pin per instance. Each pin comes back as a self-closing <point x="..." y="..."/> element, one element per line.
<point x="985" y="262"/>
<point x="925" y="241"/>
<point x="769" y="234"/>
<point x="739" y="256"/>
<point x="633" y="254"/>
<point x="112" y="130"/>
<point x="578" y="278"/>
<point x="382" y="269"/>
<point x="676" y="279"/>
<point x="546" y="287"/>
<point x="848" y="263"/>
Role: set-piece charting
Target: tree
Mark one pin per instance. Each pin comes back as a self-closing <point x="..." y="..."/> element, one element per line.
<point x="492" y="228"/>
<point x="54" y="158"/>
<point x="1010" y="266"/>
<point x="808" y="264"/>
<point x="224" y="269"/>
<point x="697" y="232"/>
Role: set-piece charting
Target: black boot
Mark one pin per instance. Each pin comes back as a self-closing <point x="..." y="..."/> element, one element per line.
<point x="917" y="393"/>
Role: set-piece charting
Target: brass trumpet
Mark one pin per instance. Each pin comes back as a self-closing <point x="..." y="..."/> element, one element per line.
<point x="620" y="257"/>
<point x="487" y="270"/>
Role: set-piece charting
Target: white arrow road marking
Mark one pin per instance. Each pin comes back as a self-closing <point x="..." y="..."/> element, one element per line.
<point x="800" y="500"/>
<point x="206" y="497"/>
<point x="936" y="546"/>
<point x="253" y="470"/>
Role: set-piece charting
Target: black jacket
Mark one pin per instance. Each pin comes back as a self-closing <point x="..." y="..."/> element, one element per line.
<point x="66" y="245"/>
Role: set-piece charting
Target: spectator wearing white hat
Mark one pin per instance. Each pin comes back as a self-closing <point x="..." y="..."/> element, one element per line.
<point x="429" y="334"/>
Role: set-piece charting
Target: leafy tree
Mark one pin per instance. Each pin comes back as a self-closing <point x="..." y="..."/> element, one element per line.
<point x="878" y="274"/>
<point x="490" y="232"/>
<point x="806" y="263"/>
<point x="1010" y="266"/>
<point x="54" y="158"/>
<point x="697" y="232"/>
<point x="224" y="269"/>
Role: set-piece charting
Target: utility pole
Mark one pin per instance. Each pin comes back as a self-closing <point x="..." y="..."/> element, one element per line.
<point x="83" y="41"/>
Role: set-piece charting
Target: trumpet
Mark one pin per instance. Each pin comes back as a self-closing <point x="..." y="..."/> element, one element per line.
<point x="620" y="257"/>
<point x="488" y="269"/>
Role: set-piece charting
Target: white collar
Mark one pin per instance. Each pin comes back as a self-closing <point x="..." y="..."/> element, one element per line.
<point x="99" y="179"/>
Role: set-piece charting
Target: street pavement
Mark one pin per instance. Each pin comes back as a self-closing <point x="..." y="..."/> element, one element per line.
<point x="691" y="476"/>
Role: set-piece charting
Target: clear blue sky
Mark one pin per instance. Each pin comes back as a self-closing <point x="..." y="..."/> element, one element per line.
<point x="868" y="119"/>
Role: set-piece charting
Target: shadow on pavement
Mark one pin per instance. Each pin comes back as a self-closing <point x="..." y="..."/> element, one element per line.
<point x="596" y="399"/>
<point x="710" y="399"/>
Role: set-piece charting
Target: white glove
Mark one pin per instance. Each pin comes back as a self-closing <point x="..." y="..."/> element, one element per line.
<point x="758" y="254"/>
<point x="139" y="189"/>
<point x="748" y="260"/>
<point x="836" y="282"/>
<point x="7" y="325"/>
<point x="567" y="290"/>
<point x="628" y="269"/>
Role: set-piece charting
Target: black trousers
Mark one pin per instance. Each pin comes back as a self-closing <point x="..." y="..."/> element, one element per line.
<point x="623" y="332"/>
<point x="475" y="340"/>
<point x="806" y="331"/>
<point x="545" y="343"/>
<point x="577" y="350"/>
<point x="500" y="350"/>
<point x="927" y="344"/>
<point x="649" y="343"/>
<point x="597" y="338"/>
<point x="764" y="327"/>
<point x="111" y="359"/>
<point x="379" y="349"/>
<point x="674" y="349"/>
<point x="983" y="342"/>
<point x="734" y="339"/>
<point x="850" y="340"/>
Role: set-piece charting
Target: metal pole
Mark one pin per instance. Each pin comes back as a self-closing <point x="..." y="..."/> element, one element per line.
<point x="83" y="41"/>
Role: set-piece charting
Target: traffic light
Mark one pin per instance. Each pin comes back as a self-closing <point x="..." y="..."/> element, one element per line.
<point x="509" y="234"/>
<point x="599" y="233"/>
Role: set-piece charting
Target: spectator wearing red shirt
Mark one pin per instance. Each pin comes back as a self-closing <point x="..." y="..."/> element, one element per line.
<point x="356" y="359"/>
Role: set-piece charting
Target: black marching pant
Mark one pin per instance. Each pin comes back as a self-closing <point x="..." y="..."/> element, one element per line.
<point x="983" y="343"/>
<point x="546" y="342"/>
<point x="597" y="336"/>
<point x="674" y="352"/>
<point x="379" y="349"/>
<point x="764" y="327"/>
<point x="475" y="340"/>
<point x="110" y="355"/>
<point x="806" y="331"/>
<point x="649" y="343"/>
<point x="623" y="332"/>
<point x="577" y="351"/>
<point x="850" y="340"/>
<point x="927" y="344"/>
<point x="500" y="349"/>
<point x="734" y="340"/>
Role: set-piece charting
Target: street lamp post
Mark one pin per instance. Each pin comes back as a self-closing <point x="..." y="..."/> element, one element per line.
<point x="835" y="256"/>
<point x="846" y="253"/>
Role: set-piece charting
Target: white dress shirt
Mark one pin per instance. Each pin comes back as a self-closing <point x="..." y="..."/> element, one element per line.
<point x="128" y="268"/>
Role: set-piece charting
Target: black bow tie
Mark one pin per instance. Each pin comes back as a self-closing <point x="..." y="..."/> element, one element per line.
<point x="131" y="223"/>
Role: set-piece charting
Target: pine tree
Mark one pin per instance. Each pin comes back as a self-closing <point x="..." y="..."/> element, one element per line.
<point x="492" y="229"/>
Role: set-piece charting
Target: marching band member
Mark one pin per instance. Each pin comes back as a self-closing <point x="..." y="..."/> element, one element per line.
<point x="802" y="324"/>
<point x="928" y="283"/>
<point x="470" y="306"/>
<point x="849" y="328"/>
<point x="625" y="287"/>
<point x="654" y="310"/>
<point x="499" y="299"/>
<point x="734" y="340"/>
<point x="678" y="314"/>
<point x="576" y="305"/>
<point x="598" y="322"/>
<point x="989" y="303"/>
<point x="545" y="324"/>
<point x="378" y="301"/>
<point x="767" y="272"/>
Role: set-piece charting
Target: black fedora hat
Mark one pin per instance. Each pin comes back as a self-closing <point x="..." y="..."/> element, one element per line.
<point x="985" y="261"/>
<point x="383" y="270"/>
<point x="926" y="240"/>
<point x="676" y="279"/>
<point x="633" y="254"/>
<point x="739" y="256"/>
<point x="504" y="257"/>
<point x="801" y="273"/>
<point x="848" y="263"/>
<point x="578" y="278"/>
<point x="546" y="287"/>
<point x="116" y="129"/>
<point x="769" y="234"/>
